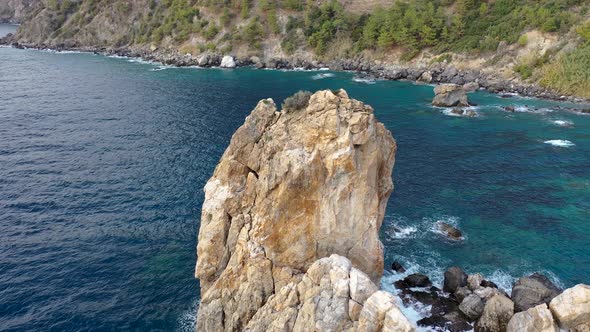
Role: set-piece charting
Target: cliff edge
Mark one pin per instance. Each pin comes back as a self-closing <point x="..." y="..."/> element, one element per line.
<point x="289" y="236"/>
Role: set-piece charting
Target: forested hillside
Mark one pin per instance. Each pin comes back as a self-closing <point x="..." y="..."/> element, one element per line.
<point x="542" y="41"/>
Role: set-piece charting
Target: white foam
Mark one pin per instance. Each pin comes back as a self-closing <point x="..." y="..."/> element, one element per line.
<point x="322" y="76"/>
<point x="365" y="80"/>
<point x="560" y="142"/>
<point x="188" y="319"/>
<point x="563" y="123"/>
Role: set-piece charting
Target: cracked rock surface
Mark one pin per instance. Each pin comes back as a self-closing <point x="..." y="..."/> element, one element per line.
<point x="289" y="236"/>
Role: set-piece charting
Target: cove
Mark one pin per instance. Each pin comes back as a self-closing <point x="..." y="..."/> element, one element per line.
<point x="103" y="161"/>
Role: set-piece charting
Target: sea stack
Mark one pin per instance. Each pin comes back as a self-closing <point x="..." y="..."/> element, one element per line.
<point x="289" y="236"/>
<point x="450" y="95"/>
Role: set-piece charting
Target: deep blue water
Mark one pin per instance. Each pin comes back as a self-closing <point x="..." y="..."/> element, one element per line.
<point x="103" y="161"/>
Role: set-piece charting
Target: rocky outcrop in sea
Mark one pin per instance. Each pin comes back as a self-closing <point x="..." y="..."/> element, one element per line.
<point x="289" y="236"/>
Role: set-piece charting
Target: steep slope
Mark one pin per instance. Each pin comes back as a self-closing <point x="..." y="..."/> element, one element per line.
<point x="293" y="187"/>
<point x="15" y="11"/>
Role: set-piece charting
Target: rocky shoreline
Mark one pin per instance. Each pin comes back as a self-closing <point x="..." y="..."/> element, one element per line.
<point x="436" y="73"/>
<point x="470" y="302"/>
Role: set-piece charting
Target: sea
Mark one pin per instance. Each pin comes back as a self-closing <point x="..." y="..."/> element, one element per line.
<point x="103" y="162"/>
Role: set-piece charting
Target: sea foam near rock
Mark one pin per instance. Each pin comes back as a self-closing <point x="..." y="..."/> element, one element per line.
<point x="560" y="143"/>
<point x="322" y="76"/>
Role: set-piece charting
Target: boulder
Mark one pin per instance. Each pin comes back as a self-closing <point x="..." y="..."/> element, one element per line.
<point x="228" y="62"/>
<point x="461" y="293"/>
<point x="293" y="188"/>
<point x="450" y="95"/>
<point x="535" y="319"/>
<point x="487" y="293"/>
<point x="474" y="281"/>
<point x="581" y="328"/>
<point x="380" y="313"/>
<point x="426" y="77"/>
<point x="572" y="307"/>
<point x="533" y="290"/>
<point x="455" y="277"/>
<point x="487" y="283"/>
<point x="496" y="314"/>
<point x="472" y="306"/>
<point x="511" y="109"/>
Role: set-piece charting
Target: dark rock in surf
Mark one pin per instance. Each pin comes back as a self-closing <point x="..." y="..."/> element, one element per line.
<point x="533" y="290"/>
<point x="455" y="277"/>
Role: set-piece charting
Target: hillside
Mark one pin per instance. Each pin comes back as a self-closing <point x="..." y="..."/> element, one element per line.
<point x="542" y="42"/>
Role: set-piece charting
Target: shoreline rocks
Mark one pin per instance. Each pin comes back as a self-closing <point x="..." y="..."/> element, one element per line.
<point x="533" y="290"/>
<point x="437" y="73"/>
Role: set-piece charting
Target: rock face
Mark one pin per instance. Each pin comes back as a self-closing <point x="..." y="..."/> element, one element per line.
<point x="294" y="187"/>
<point x="572" y="307"/>
<point x="536" y="319"/>
<point x="533" y="290"/>
<point x="450" y="95"/>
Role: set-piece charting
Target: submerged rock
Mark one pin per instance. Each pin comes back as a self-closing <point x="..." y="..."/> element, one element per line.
<point x="397" y="267"/>
<point x="291" y="189"/>
<point x="533" y="290"/>
<point x="450" y="231"/>
<point x="450" y="95"/>
<point x="572" y="307"/>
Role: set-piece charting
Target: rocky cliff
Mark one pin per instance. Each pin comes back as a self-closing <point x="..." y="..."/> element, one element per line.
<point x="15" y="11"/>
<point x="289" y="236"/>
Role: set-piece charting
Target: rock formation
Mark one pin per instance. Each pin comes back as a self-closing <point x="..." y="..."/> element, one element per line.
<point x="572" y="307"/>
<point x="533" y="290"/>
<point x="450" y="95"/>
<point x="295" y="193"/>
<point x="535" y="319"/>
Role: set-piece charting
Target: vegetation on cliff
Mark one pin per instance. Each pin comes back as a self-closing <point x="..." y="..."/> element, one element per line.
<point x="331" y="30"/>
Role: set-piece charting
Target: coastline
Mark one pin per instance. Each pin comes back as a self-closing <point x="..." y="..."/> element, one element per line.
<point x="438" y="73"/>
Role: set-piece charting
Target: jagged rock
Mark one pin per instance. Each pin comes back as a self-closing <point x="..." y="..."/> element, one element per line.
<point x="496" y="314"/>
<point x="461" y="293"/>
<point x="324" y="299"/>
<point x="535" y="319"/>
<point x="533" y="290"/>
<point x="228" y="62"/>
<point x="455" y="277"/>
<point x="291" y="188"/>
<point x="380" y="313"/>
<point x="474" y="281"/>
<point x="397" y="267"/>
<point x="487" y="293"/>
<point x="449" y="95"/>
<point x="572" y="307"/>
<point x="472" y="306"/>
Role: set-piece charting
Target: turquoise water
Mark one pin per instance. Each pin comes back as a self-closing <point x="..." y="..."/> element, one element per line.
<point x="103" y="161"/>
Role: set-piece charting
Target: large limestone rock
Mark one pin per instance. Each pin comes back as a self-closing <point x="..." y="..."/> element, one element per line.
<point x="533" y="290"/>
<point x="536" y="319"/>
<point x="496" y="314"/>
<point x="572" y="307"/>
<point x="450" y="95"/>
<point x="291" y="188"/>
<point x="228" y="62"/>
